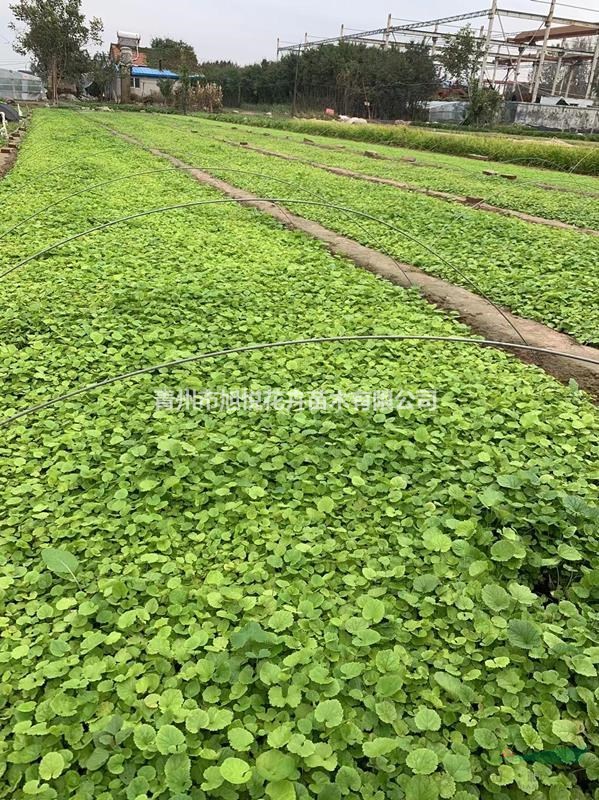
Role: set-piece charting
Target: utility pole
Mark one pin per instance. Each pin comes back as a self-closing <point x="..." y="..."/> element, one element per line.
<point x="558" y="69"/>
<point x="434" y="41"/>
<point x="495" y="65"/>
<point x="532" y="78"/>
<point x="539" y="70"/>
<point x="515" y="84"/>
<point x="341" y="33"/>
<point x="125" y="76"/>
<point x="593" y="71"/>
<point x="487" y="45"/>
<point x="294" y="105"/>
<point x="387" y="33"/>
<point x="570" y="75"/>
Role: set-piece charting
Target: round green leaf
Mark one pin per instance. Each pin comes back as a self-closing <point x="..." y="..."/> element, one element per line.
<point x="427" y="719"/>
<point x="240" y="738"/>
<point x="421" y="787"/>
<point x="235" y="770"/>
<point x="485" y="738"/>
<point x="422" y="761"/>
<point x="458" y="767"/>
<point x="379" y="746"/>
<point x="273" y="765"/>
<point x="281" y="790"/>
<point x="496" y="597"/>
<point x="169" y="740"/>
<point x="51" y="765"/>
<point x="60" y="561"/>
<point x="329" y="712"/>
<point x="523" y="633"/>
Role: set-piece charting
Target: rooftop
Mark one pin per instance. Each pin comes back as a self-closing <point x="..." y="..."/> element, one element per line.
<point x="150" y="72"/>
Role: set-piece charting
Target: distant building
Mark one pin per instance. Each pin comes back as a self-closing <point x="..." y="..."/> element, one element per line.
<point x="20" y="85"/>
<point x="558" y="100"/>
<point x="144" y="78"/>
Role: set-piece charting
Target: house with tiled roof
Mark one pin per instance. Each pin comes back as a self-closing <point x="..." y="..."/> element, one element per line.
<point x="143" y="65"/>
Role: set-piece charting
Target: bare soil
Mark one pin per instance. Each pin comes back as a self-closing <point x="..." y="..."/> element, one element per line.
<point x="7" y="161"/>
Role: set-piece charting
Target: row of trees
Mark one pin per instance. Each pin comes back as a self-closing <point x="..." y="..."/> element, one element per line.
<point x="353" y="79"/>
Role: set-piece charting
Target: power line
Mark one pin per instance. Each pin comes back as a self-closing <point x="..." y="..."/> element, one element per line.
<point x="566" y="5"/>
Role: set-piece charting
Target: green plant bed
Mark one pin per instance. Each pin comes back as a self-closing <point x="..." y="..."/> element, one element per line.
<point x="236" y="603"/>
<point x="448" y="174"/>
<point x="584" y="160"/>
<point x="545" y="274"/>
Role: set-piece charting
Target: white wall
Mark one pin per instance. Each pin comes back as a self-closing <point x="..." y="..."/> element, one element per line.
<point x="146" y="86"/>
<point x="557" y="117"/>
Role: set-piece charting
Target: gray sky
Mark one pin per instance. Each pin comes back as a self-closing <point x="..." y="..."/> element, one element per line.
<point x="245" y="31"/>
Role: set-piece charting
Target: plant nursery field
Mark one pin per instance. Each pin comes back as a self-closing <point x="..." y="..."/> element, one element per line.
<point x="582" y="157"/>
<point x="540" y="273"/>
<point x="385" y="584"/>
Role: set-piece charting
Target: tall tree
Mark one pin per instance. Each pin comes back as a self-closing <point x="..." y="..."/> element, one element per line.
<point x="165" y="87"/>
<point x="55" y="33"/>
<point x="102" y="72"/>
<point x="184" y="88"/>
<point x="574" y="74"/>
<point x="170" y="54"/>
<point x="462" y="57"/>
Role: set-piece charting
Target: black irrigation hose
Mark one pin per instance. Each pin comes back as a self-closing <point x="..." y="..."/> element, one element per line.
<point x="274" y="201"/>
<point x="286" y="343"/>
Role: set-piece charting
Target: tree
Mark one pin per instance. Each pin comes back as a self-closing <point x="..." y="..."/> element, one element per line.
<point x="165" y="85"/>
<point x="353" y="79"/>
<point x="169" y="54"/>
<point x="102" y="73"/>
<point x="55" y="34"/>
<point x="574" y="74"/>
<point x="484" y="105"/>
<point x="184" y="88"/>
<point x="462" y="57"/>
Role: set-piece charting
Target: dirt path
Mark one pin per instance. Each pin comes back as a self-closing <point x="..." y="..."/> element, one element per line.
<point x="477" y="203"/>
<point x="472" y="309"/>
<point x="9" y="151"/>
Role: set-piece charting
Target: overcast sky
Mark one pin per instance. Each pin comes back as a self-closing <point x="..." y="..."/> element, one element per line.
<point x="246" y="31"/>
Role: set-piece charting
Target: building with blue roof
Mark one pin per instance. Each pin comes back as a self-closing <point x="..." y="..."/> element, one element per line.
<point x="144" y="80"/>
